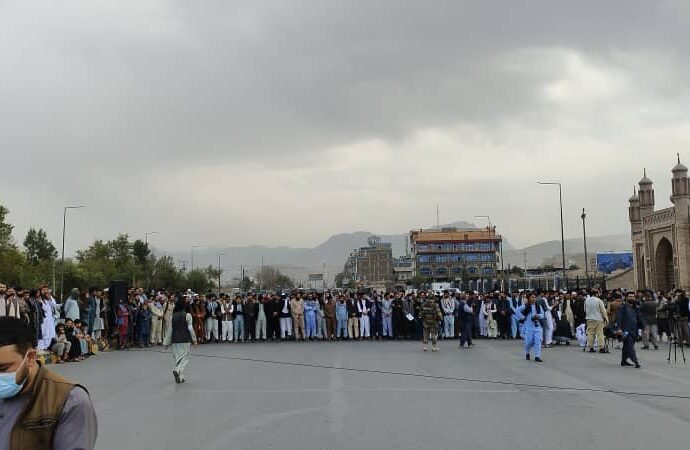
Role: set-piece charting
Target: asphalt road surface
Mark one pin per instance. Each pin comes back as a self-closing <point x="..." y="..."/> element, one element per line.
<point x="230" y="403"/>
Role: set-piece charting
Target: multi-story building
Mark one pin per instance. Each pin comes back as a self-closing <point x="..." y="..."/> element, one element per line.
<point x="371" y="266"/>
<point x="468" y="258"/>
<point x="403" y="268"/>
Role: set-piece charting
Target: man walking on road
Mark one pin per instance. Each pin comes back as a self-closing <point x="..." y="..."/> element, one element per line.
<point x="181" y="336"/>
<point x="628" y="322"/>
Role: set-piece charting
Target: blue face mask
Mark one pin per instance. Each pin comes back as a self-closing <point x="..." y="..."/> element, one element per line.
<point x="8" y="383"/>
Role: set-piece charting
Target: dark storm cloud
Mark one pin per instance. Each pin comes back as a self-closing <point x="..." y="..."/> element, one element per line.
<point x="185" y="82"/>
<point x="101" y="94"/>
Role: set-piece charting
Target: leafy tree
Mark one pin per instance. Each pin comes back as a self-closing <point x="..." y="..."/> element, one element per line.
<point x="38" y="248"/>
<point x="246" y="284"/>
<point x="339" y="278"/>
<point x="574" y="267"/>
<point x="141" y="252"/>
<point x="270" y="277"/>
<point x="5" y="229"/>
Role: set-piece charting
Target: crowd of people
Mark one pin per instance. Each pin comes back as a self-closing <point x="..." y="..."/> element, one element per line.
<point x="69" y="328"/>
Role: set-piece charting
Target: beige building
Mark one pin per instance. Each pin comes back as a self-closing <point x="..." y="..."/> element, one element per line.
<point x="661" y="238"/>
<point x="371" y="266"/>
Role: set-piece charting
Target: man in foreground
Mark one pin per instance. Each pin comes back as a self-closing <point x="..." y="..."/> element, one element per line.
<point x="39" y="409"/>
<point x="181" y="335"/>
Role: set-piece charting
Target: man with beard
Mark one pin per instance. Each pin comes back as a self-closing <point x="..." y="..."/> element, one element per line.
<point x="352" y="318"/>
<point x="628" y="322"/>
<point x="40" y="410"/>
<point x="9" y="303"/>
<point x="504" y="317"/>
<point x="329" y="312"/>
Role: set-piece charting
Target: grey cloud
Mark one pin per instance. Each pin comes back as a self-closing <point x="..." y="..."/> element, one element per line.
<point x="96" y="95"/>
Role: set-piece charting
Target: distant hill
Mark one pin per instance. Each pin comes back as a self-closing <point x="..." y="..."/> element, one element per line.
<point x="299" y="262"/>
<point x="550" y="251"/>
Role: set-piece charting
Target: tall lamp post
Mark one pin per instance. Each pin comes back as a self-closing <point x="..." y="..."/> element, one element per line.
<point x="62" y="265"/>
<point x="146" y="237"/>
<point x="560" y="200"/>
<point x="192" y="254"/>
<point x="146" y="244"/>
<point x="584" y="236"/>
<point x="219" y="270"/>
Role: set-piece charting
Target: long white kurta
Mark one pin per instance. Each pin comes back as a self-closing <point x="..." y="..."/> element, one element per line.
<point x="48" y="325"/>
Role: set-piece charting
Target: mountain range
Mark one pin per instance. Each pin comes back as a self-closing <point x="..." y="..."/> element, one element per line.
<point x="299" y="262"/>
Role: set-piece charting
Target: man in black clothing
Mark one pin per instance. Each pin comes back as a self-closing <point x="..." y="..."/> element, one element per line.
<point x="628" y="322"/>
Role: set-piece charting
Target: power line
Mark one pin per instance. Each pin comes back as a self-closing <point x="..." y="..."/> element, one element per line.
<point x="438" y="377"/>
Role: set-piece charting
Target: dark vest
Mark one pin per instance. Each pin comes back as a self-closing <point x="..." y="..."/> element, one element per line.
<point x="35" y="427"/>
<point x="180" y="330"/>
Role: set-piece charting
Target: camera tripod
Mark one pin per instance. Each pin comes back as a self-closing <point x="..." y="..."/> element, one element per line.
<point x="673" y="341"/>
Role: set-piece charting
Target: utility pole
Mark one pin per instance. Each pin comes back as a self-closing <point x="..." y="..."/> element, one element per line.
<point x="219" y="271"/>
<point x="62" y="265"/>
<point x="192" y="252"/>
<point x="584" y="236"/>
<point x="560" y="200"/>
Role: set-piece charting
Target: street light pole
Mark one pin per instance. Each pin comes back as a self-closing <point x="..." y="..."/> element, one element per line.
<point x="219" y="269"/>
<point x="584" y="236"/>
<point x="62" y="265"/>
<point x="560" y="200"/>
<point x="146" y="237"/>
<point x="192" y="251"/>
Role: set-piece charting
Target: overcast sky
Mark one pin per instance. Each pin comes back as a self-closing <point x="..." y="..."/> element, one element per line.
<point x="284" y="122"/>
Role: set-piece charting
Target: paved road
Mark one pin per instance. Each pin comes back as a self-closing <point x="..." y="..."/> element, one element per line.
<point x="230" y="403"/>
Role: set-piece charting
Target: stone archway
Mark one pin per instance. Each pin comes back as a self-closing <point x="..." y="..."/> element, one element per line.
<point x="665" y="279"/>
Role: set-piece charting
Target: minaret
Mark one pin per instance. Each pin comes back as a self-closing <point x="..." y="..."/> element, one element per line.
<point x="634" y="213"/>
<point x="680" y="197"/>
<point x="646" y="196"/>
<point x="679" y="184"/>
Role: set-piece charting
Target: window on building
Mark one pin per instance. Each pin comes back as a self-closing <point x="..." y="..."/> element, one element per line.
<point x="422" y="248"/>
<point x="425" y="271"/>
<point x="423" y="258"/>
<point x="457" y="270"/>
<point x="441" y="258"/>
<point x="487" y="270"/>
<point x="441" y="271"/>
<point x="472" y="270"/>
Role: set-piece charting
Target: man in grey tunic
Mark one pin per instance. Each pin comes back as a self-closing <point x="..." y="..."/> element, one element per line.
<point x="181" y="335"/>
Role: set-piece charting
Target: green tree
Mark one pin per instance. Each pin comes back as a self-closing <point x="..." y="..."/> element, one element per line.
<point x="339" y="278"/>
<point x="141" y="252"/>
<point x="5" y="229"/>
<point x="38" y="248"/>
<point x="246" y="284"/>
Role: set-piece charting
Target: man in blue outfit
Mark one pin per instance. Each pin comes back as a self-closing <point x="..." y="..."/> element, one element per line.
<point x="532" y="314"/>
